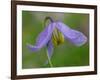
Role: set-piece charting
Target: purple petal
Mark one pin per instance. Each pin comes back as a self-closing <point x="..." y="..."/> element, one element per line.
<point x="77" y="37"/>
<point x="43" y="38"/>
<point x="74" y="36"/>
<point x="50" y="48"/>
<point x="33" y="48"/>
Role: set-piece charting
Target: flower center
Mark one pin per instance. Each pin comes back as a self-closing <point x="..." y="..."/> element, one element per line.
<point x="57" y="37"/>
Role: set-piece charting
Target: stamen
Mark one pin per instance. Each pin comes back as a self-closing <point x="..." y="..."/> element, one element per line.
<point x="57" y="37"/>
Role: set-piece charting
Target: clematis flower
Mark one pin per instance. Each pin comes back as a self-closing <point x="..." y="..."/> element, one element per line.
<point x="54" y="34"/>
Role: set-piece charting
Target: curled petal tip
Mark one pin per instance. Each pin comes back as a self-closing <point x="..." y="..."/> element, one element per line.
<point x="32" y="48"/>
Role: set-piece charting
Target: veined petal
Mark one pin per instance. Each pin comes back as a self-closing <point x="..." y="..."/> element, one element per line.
<point x="77" y="37"/>
<point x="73" y="36"/>
<point x="43" y="38"/>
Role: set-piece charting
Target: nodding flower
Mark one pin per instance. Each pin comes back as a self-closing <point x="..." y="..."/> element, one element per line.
<point x="54" y="34"/>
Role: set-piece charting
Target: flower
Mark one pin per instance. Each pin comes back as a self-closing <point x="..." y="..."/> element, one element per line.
<point x="54" y="35"/>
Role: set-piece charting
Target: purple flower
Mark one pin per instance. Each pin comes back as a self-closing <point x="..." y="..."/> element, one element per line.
<point x="54" y="34"/>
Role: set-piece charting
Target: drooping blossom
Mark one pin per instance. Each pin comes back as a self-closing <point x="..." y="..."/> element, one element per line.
<point x="54" y="34"/>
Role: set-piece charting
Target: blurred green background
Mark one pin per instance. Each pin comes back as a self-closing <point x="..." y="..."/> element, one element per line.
<point x="64" y="55"/>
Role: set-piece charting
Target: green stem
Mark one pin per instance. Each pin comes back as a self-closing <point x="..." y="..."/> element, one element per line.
<point x="49" y="61"/>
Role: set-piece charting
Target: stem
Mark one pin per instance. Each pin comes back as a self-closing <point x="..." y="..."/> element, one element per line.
<point x="47" y="19"/>
<point x="49" y="61"/>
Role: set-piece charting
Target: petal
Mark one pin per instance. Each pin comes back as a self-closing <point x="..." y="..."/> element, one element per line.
<point x="77" y="37"/>
<point x="43" y="38"/>
<point x="73" y="36"/>
<point x="50" y="48"/>
<point x="33" y="48"/>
